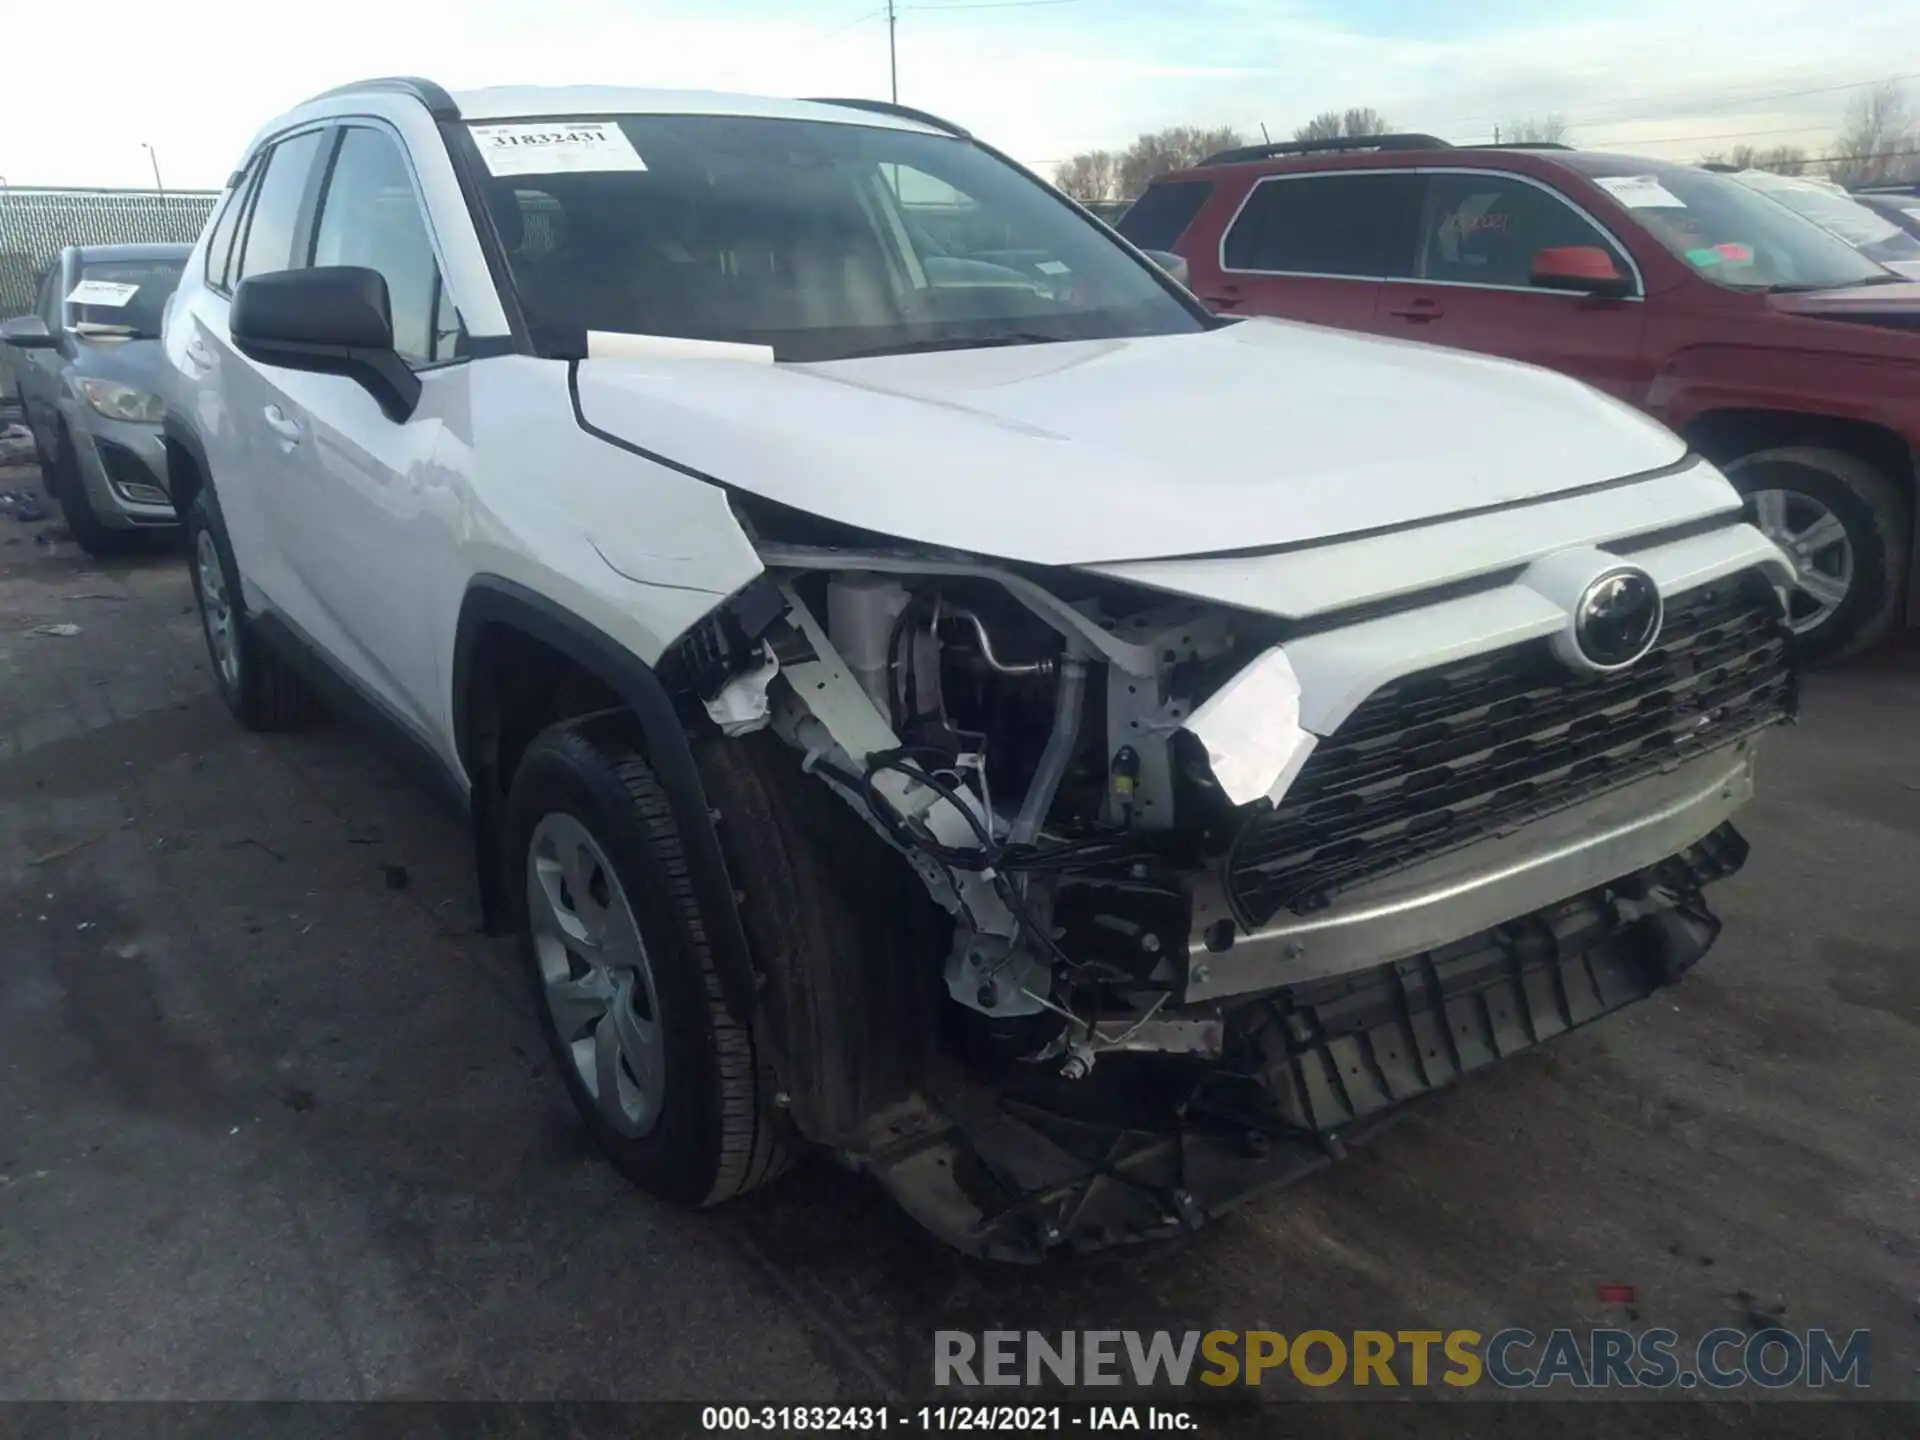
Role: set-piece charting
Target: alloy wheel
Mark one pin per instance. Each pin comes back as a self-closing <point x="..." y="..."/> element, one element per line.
<point x="1816" y="544"/>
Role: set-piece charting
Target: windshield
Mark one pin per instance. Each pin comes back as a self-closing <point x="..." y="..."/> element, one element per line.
<point x="123" y="297"/>
<point x="1834" y="211"/>
<point x="822" y="240"/>
<point x="1737" y="237"/>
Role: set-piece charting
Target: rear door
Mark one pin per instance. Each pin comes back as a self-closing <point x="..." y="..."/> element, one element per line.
<point x="1316" y="246"/>
<point x="1469" y="284"/>
<point x="241" y="410"/>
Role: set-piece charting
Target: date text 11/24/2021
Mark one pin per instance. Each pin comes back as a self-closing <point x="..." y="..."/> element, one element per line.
<point x="984" y="1419"/>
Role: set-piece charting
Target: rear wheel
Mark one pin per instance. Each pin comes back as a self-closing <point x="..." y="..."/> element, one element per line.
<point x="671" y="1086"/>
<point x="1844" y="526"/>
<point x="260" y="688"/>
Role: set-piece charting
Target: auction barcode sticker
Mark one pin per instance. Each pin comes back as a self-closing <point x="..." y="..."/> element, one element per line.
<point x="555" y="148"/>
<point x="113" y="293"/>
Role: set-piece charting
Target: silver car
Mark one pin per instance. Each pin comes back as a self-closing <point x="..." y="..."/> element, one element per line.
<point x="88" y="373"/>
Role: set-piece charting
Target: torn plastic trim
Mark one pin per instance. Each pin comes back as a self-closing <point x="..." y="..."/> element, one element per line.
<point x="1250" y="728"/>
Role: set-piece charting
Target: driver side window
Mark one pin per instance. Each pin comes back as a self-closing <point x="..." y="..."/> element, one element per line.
<point x="1485" y="230"/>
<point x="371" y="216"/>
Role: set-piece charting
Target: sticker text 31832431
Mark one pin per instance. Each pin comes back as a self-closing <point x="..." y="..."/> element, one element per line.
<point x="556" y="148"/>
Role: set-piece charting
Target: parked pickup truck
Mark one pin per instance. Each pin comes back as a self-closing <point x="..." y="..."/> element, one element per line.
<point x="951" y="701"/>
<point x="1774" y="348"/>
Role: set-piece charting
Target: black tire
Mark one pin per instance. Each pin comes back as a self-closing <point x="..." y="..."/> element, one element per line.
<point x="265" y="693"/>
<point x="719" y="1132"/>
<point x="64" y="485"/>
<point x="1877" y="519"/>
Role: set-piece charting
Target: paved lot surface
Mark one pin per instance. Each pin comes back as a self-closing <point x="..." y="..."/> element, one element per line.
<point x="275" y="1122"/>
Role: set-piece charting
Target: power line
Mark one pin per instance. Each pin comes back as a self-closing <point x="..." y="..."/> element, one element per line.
<point x="989" y="5"/>
<point x="1655" y="105"/>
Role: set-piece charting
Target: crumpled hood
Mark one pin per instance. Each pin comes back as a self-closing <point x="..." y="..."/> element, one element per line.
<point x="1259" y="434"/>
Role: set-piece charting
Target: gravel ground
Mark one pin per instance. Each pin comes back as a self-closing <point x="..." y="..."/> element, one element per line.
<point x="276" y="1122"/>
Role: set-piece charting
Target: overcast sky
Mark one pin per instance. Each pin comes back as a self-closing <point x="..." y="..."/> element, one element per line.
<point x="87" y="84"/>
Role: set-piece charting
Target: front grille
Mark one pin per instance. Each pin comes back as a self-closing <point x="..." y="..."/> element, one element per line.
<point x="1464" y="751"/>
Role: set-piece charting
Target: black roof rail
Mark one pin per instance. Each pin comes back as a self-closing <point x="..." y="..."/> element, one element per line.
<point x="887" y="107"/>
<point x="1522" y="145"/>
<point x="1319" y="147"/>
<point x="1719" y="167"/>
<point x="438" y="102"/>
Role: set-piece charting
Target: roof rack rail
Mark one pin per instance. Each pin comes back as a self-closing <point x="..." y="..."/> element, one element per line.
<point x="887" y="107"/>
<point x="439" y="103"/>
<point x="1317" y="147"/>
<point x="1522" y="145"/>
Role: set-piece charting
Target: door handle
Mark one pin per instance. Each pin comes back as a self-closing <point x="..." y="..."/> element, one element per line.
<point x="287" y="429"/>
<point x="1418" y="311"/>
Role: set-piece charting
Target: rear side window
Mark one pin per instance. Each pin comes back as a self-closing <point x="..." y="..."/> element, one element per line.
<point x="1352" y="224"/>
<point x="1486" y="229"/>
<point x="220" y="243"/>
<point x="276" y="207"/>
<point x="1161" y="216"/>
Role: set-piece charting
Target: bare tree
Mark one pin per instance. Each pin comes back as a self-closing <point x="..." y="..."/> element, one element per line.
<point x="1340" y="124"/>
<point x="1781" y="159"/>
<point x="1164" y="150"/>
<point x="1530" y="130"/>
<point x="1091" y="175"/>
<point x="1879" y="128"/>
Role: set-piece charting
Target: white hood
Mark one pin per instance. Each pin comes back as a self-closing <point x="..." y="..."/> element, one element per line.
<point x="1259" y="434"/>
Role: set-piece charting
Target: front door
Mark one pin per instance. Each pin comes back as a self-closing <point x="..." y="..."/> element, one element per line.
<point x="1470" y="283"/>
<point x="365" y="511"/>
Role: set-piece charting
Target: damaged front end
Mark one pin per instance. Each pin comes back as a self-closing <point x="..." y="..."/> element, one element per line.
<point x="1164" y="926"/>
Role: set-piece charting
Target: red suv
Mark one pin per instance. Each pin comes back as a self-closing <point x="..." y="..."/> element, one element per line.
<point x="1777" y="349"/>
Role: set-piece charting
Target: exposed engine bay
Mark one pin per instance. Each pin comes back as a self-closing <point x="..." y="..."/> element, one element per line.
<point x="1108" y="793"/>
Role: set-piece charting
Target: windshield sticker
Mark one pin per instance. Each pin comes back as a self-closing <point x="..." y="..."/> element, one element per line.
<point x="1051" y="267"/>
<point x="1704" y="259"/>
<point x="1640" y="192"/>
<point x="102" y="292"/>
<point x="1735" y="253"/>
<point x="555" y="149"/>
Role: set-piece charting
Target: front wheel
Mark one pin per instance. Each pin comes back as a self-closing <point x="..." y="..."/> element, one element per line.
<point x="670" y="1084"/>
<point x="1844" y="527"/>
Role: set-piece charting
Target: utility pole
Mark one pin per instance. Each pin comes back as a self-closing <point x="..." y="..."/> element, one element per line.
<point x="1496" y="134"/>
<point x="154" y="157"/>
<point x="893" y="60"/>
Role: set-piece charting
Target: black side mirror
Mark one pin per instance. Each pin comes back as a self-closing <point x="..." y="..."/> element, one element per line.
<point x="333" y="319"/>
<point x="28" y="332"/>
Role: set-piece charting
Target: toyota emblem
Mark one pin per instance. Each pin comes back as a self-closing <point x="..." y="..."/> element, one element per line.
<point x="1617" y="618"/>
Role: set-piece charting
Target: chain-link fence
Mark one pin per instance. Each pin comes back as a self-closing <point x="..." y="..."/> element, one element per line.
<point x="36" y="224"/>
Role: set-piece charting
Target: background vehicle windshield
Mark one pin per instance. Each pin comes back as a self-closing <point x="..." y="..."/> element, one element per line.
<point x="1735" y="236"/>
<point x="1834" y="211"/>
<point x="822" y="240"/>
<point x="140" y="316"/>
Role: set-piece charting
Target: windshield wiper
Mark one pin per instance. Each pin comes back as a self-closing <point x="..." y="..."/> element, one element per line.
<point x="1890" y="278"/>
<point x="955" y="342"/>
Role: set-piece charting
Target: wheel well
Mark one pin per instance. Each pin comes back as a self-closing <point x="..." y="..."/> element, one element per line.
<point x="1726" y="435"/>
<point x="184" y="477"/>
<point x="516" y="686"/>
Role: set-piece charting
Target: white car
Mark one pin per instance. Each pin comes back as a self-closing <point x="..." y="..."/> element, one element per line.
<point x="974" y="712"/>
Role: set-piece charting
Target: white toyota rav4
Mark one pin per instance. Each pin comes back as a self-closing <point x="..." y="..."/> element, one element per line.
<point x="924" y="689"/>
